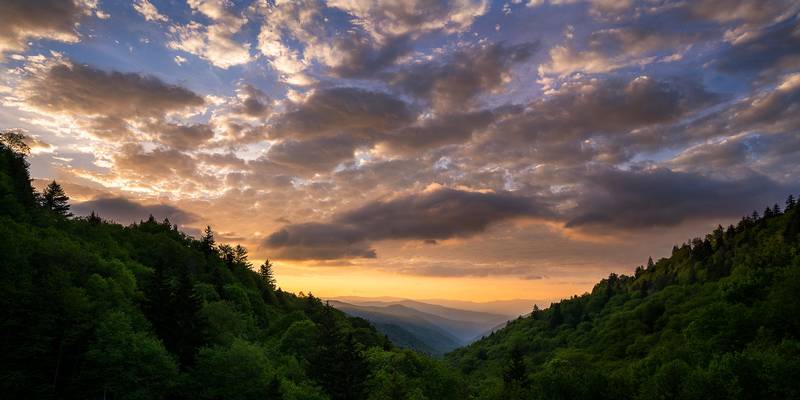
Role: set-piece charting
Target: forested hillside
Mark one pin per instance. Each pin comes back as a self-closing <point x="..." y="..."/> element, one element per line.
<point x="91" y="309"/>
<point x="94" y="310"/>
<point x="718" y="319"/>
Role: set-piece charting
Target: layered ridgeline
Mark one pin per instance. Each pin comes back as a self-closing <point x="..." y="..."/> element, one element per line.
<point x="90" y="309"/>
<point x="429" y="328"/>
<point x="718" y="319"/>
<point x="93" y="309"/>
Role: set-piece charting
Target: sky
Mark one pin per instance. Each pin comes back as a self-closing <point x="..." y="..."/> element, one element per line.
<point x="461" y="149"/>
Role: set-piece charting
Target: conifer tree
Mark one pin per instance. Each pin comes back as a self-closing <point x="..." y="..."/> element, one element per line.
<point x="556" y="318"/>
<point x="227" y="254"/>
<point x="265" y="271"/>
<point x="515" y="376"/>
<point x="55" y="200"/>
<point x="207" y="242"/>
<point x="94" y="219"/>
<point x="240" y="256"/>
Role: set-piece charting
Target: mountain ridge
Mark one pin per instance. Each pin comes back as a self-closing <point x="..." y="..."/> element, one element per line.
<point x="434" y="332"/>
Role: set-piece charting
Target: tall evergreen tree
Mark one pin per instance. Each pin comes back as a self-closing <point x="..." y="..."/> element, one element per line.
<point x="207" y="242"/>
<point x="338" y="363"/>
<point x="174" y="311"/>
<point x="94" y="219"/>
<point x="556" y="318"/>
<point x="265" y="271"/>
<point x="240" y="256"/>
<point x="515" y="376"/>
<point x="227" y="254"/>
<point x="55" y="200"/>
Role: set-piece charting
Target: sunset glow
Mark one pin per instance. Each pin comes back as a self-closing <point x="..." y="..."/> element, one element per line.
<point x="469" y="150"/>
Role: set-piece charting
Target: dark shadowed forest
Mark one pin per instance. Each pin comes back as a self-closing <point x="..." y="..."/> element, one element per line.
<point x="95" y="310"/>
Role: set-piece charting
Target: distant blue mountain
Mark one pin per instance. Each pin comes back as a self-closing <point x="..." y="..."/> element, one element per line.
<point x="428" y="328"/>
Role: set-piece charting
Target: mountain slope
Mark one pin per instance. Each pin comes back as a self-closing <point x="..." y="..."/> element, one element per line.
<point x="507" y="308"/>
<point x="718" y="319"/>
<point x="435" y="309"/>
<point x="405" y="327"/>
<point x="464" y="325"/>
<point x="91" y="309"/>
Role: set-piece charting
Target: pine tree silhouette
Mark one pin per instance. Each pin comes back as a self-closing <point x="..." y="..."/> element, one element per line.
<point x="55" y="200"/>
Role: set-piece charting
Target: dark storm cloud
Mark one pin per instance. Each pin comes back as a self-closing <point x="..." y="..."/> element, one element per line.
<point x="747" y="11"/>
<point x="352" y="110"/>
<point x="182" y="137"/>
<point x="641" y="42"/>
<point x="595" y="118"/>
<point x="439" y="131"/>
<point x="76" y="89"/>
<point x="774" y="109"/>
<point x="159" y="165"/>
<point x="362" y="58"/>
<point x="318" y="241"/>
<point x="778" y="109"/>
<point x="254" y="102"/>
<point x="661" y="197"/>
<point x="21" y="20"/>
<point x="615" y="105"/>
<point x="463" y="76"/>
<point x="125" y="211"/>
<point x="775" y="154"/>
<point x="315" y="155"/>
<point x="432" y="215"/>
<point x="439" y="214"/>
<point x="774" y="49"/>
<point x="719" y="156"/>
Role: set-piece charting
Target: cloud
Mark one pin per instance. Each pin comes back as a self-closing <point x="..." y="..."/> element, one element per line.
<point x="77" y="89"/>
<point x="602" y="119"/>
<point x="105" y="103"/>
<point x="607" y="50"/>
<point x="159" y="168"/>
<point x="436" y="214"/>
<point x="769" y="109"/>
<point x="659" y="197"/>
<point x="315" y="241"/>
<point x="457" y="270"/>
<point x="315" y="155"/>
<point x="777" y="109"/>
<point x="356" y="111"/>
<point x="359" y="57"/>
<point x="776" y="155"/>
<point x="465" y="75"/>
<point x="23" y="20"/>
<point x="439" y="131"/>
<point x="37" y="145"/>
<point x="767" y="52"/>
<point x="301" y="21"/>
<point x="125" y="211"/>
<point x="149" y="11"/>
<point x="346" y="52"/>
<point x="390" y="18"/>
<point x="378" y="34"/>
<point x="182" y="137"/>
<point x="252" y="102"/>
<point x="214" y="42"/>
<point x="749" y="12"/>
